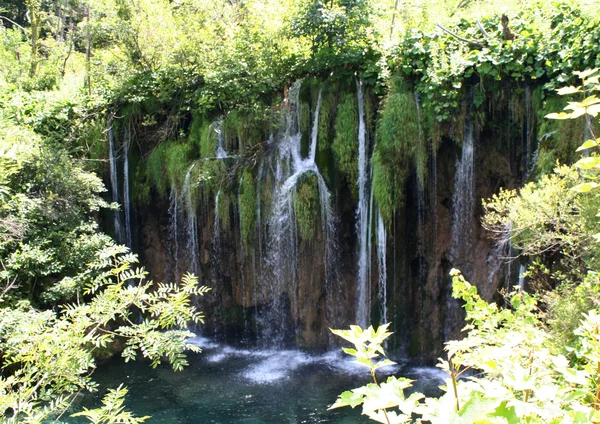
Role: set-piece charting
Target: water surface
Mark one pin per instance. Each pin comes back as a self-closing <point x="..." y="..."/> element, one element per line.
<point x="226" y="385"/>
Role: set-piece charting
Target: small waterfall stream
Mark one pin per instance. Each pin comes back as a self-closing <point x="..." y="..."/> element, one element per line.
<point x="114" y="181"/>
<point x="463" y="199"/>
<point x="382" y="267"/>
<point x="421" y="244"/>
<point x="362" y="218"/>
<point x="174" y="232"/>
<point x="191" y="223"/>
<point x="221" y="153"/>
<point x="126" y="196"/>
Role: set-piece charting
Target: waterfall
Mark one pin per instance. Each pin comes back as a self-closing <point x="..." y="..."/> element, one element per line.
<point x="174" y="231"/>
<point x="191" y="224"/>
<point x="216" y="237"/>
<point x="522" y="271"/>
<point x="114" y="181"/>
<point x="221" y="153"/>
<point x="381" y="263"/>
<point x="242" y="256"/>
<point x="362" y="221"/>
<point x="281" y="257"/>
<point x="217" y="265"/>
<point x="420" y="201"/>
<point x="462" y="223"/>
<point x="463" y="198"/>
<point x="126" y="197"/>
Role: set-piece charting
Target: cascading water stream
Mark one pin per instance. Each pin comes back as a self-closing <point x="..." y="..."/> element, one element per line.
<point x="114" y="182"/>
<point x="463" y="198"/>
<point x="191" y="224"/>
<point x="362" y="219"/>
<point x="462" y="221"/>
<point x="221" y="153"/>
<point x="281" y="258"/>
<point x="381" y="263"/>
<point x="126" y="197"/>
<point x="420" y="201"/>
<point x="174" y="231"/>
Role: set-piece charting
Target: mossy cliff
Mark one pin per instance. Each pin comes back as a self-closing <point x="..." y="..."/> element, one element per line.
<point x="206" y="192"/>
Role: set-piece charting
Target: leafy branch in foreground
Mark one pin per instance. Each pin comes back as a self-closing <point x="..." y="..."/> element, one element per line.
<point x="48" y="358"/>
<point x="112" y="411"/>
<point x="502" y="371"/>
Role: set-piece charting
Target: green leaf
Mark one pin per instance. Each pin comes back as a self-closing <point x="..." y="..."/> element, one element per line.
<point x="588" y="163"/>
<point x="585" y="187"/>
<point x="568" y="90"/>
<point x="348" y="398"/>
<point x="588" y="145"/>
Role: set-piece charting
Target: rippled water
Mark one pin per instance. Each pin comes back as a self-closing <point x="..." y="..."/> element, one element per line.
<point x="226" y="385"/>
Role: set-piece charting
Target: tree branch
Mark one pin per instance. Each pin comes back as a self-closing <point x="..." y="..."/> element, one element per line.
<point x="458" y="37"/>
<point x="12" y="22"/>
<point x="483" y="30"/>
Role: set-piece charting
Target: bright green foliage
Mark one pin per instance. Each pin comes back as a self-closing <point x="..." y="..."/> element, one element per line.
<point x="558" y="138"/>
<point x="518" y="378"/>
<point x="203" y="135"/>
<point x="377" y="400"/>
<point x="167" y="165"/>
<point x="177" y="159"/>
<point x="306" y="206"/>
<point x="244" y="128"/>
<point x="112" y="411"/>
<point x="51" y="355"/>
<point x="45" y="230"/>
<point x="326" y="117"/>
<point x="248" y="208"/>
<point x="588" y="107"/>
<point x="156" y="170"/>
<point x="400" y="141"/>
<point x="548" y="222"/>
<point x="566" y="305"/>
<point x="338" y="31"/>
<point x="540" y="43"/>
<point x="345" y="143"/>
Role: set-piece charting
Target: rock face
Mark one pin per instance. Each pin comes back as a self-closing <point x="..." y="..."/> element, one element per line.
<point x="299" y="273"/>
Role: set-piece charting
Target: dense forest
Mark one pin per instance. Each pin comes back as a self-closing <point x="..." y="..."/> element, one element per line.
<point x="287" y="167"/>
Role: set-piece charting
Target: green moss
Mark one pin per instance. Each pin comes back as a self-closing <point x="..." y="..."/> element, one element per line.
<point x="305" y="126"/>
<point x="156" y="170"/>
<point x="244" y="128"/>
<point x="306" y="206"/>
<point x="326" y="117"/>
<point x="345" y="143"/>
<point x="247" y="201"/>
<point x="400" y="142"/>
<point x="223" y="209"/>
<point x="211" y="174"/>
<point x="167" y="165"/>
<point x="177" y="158"/>
<point x="202" y="135"/>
